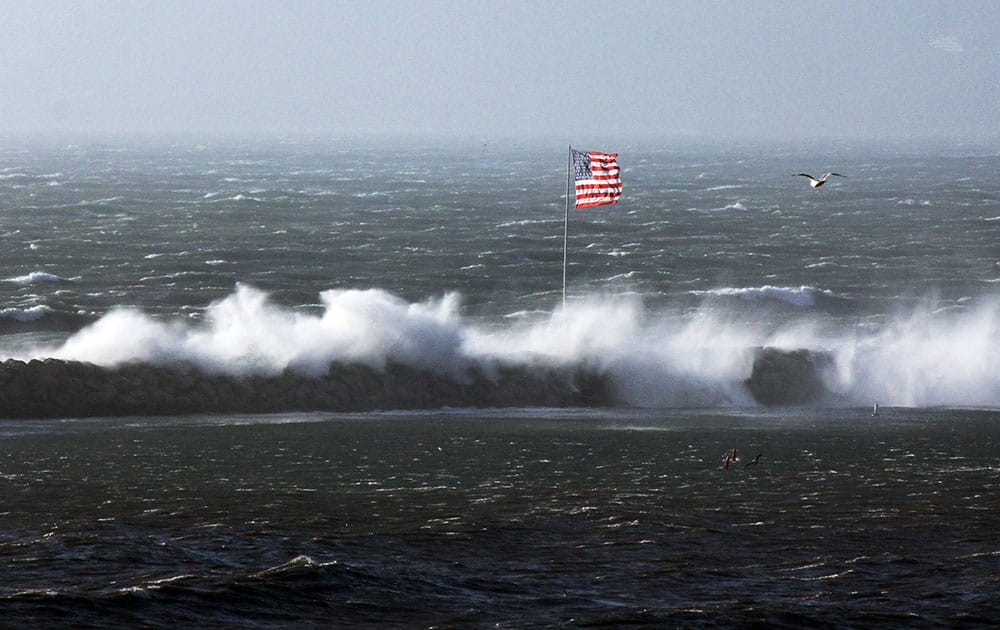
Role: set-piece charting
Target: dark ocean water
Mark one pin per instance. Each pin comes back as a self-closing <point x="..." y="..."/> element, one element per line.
<point x="258" y="257"/>
<point x="254" y="258"/>
<point x="519" y="518"/>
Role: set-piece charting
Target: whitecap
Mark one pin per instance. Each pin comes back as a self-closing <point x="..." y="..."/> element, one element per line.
<point x="26" y="314"/>
<point x="652" y="358"/>
<point x="36" y="277"/>
<point x="799" y="296"/>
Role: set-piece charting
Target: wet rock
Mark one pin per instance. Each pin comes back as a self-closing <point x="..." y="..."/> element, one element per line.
<point x="789" y="377"/>
<point x="56" y="388"/>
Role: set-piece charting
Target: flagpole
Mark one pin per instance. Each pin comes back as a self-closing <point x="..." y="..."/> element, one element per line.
<point x="569" y="168"/>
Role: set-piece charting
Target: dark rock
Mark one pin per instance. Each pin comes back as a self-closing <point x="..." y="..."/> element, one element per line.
<point x="783" y="377"/>
<point x="56" y="388"/>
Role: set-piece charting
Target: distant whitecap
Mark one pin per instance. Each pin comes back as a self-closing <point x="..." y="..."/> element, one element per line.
<point x="26" y="314"/>
<point x="799" y="296"/>
<point x="36" y="277"/>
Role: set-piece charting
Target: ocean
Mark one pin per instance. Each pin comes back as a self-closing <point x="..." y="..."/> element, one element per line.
<point x="259" y="259"/>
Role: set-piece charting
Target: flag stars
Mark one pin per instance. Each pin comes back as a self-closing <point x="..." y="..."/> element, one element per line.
<point x="581" y="165"/>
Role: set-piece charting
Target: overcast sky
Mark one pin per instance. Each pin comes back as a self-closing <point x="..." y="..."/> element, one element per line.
<point x="788" y="69"/>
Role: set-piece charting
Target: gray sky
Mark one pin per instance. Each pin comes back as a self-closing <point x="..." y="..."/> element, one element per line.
<point x="788" y="69"/>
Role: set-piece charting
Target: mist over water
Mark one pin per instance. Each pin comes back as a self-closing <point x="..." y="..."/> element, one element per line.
<point x="278" y="259"/>
<point x="255" y="259"/>
<point x="654" y="358"/>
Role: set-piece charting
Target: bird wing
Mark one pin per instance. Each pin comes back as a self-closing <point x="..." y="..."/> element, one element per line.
<point x="803" y="175"/>
<point x="837" y="174"/>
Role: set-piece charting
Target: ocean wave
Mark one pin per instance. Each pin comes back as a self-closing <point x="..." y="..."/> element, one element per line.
<point x="296" y="564"/>
<point x="40" y="318"/>
<point x="29" y="314"/>
<point x="799" y="296"/>
<point x="37" y="277"/>
<point x="645" y="358"/>
<point x="523" y="222"/>
<point x="27" y="178"/>
<point x="926" y="357"/>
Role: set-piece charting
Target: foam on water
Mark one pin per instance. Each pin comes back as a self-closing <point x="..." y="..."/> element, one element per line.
<point x="655" y="358"/>
<point x="36" y="277"/>
<point x="799" y="296"/>
<point x="926" y="358"/>
<point x="26" y="314"/>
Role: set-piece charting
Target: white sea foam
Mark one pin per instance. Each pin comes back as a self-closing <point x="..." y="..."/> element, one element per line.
<point x="26" y="314"/>
<point x="36" y="277"/>
<point x="926" y="357"/>
<point x="799" y="296"/>
<point x="658" y="358"/>
<point x="246" y="333"/>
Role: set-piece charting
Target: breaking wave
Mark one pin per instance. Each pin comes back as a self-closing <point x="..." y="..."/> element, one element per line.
<point x="25" y="315"/>
<point x="39" y="317"/>
<point x="921" y="358"/>
<point x="36" y="277"/>
<point x="799" y="296"/>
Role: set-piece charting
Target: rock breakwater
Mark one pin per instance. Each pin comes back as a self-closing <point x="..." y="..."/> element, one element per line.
<point x="52" y="388"/>
<point x="789" y="377"/>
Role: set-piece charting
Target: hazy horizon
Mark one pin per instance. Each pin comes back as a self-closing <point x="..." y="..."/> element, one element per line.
<point x="891" y="70"/>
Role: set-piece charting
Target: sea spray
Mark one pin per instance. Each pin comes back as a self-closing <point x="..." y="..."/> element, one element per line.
<point x="925" y="358"/>
<point x="658" y="358"/>
<point x="245" y="333"/>
<point x="653" y="359"/>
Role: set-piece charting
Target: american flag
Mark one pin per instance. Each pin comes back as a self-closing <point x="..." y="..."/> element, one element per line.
<point x="597" y="178"/>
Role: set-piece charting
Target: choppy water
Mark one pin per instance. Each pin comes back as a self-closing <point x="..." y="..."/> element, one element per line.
<point x="509" y="518"/>
<point x="278" y="255"/>
<point x="169" y="228"/>
<point x="257" y="257"/>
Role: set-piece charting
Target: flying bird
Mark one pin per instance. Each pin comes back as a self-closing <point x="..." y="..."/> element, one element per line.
<point x="816" y="183"/>
<point x="753" y="462"/>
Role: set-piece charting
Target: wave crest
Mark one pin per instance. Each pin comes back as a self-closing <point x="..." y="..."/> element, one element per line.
<point x="650" y="358"/>
<point x="37" y="277"/>
<point x="798" y="296"/>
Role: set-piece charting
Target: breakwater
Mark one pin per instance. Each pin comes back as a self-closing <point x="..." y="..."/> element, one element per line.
<point x="789" y="377"/>
<point x="52" y="388"/>
<point x="55" y="388"/>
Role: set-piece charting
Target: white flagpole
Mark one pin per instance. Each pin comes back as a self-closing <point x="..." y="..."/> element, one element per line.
<point x="569" y="170"/>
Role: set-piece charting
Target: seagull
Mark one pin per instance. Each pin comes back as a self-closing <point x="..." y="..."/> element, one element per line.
<point x="753" y="462"/>
<point x="816" y="183"/>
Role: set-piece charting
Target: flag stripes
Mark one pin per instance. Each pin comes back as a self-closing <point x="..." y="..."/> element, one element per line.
<point x="597" y="178"/>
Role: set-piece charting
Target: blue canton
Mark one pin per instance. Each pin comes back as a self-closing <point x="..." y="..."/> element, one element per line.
<point x="581" y="165"/>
